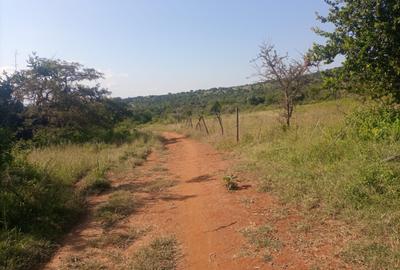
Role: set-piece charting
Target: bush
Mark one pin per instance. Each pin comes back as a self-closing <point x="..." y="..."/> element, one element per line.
<point x="378" y="122"/>
<point x="21" y="251"/>
<point x="36" y="209"/>
<point x="33" y="202"/>
<point x="376" y="186"/>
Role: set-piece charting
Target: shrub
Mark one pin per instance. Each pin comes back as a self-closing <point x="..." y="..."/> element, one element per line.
<point x="21" y="251"/>
<point x="376" y="185"/>
<point x="32" y="202"/>
<point x="36" y="209"/>
<point x="376" y="123"/>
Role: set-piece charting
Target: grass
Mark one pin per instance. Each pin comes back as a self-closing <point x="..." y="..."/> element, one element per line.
<point x="119" y="239"/>
<point x="82" y="263"/>
<point x="70" y="163"/>
<point x="48" y="195"/>
<point x="160" y="254"/>
<point x="320" y="165"/>
<point x="20" y="251"/>
<point x="158" y="185"/>
<point x="119" y="205"/>
<point x="263" y="240"/>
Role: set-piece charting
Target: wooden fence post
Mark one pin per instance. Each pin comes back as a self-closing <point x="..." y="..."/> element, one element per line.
<point x="237" y="124"/>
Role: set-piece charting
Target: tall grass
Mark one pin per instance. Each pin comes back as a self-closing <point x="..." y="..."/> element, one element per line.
<point x="71" y="162"/>
<point x="44" y="194"/>
<point x="322" y="165"/>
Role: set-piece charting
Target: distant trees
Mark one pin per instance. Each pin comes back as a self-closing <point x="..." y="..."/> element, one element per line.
<point x="255" y="100"/>
<point x="367" y="34"/>
<point x="290" y="74"/>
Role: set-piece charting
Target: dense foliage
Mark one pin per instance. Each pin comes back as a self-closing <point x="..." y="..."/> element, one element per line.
<point x="367" y="34"/>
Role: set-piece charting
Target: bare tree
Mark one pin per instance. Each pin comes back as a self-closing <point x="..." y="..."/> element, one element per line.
<point x="289" y="73"/>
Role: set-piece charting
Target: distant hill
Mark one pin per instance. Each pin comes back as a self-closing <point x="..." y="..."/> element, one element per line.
<point x="195" y="102"/>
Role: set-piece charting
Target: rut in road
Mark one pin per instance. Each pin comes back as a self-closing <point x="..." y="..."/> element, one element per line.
<point x="207" y="220"/>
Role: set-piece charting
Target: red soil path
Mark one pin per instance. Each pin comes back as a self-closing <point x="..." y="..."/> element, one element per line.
<point x="206" y="218"/>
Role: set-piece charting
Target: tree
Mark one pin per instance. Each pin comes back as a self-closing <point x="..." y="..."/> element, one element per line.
<point x="216" y="110"/>
<point x="255" y="100"/>
<point x="63" y="96"/>
<point x="367" y="34"/>
<point x="10" y="120"/>
<point x="290" y="74"/>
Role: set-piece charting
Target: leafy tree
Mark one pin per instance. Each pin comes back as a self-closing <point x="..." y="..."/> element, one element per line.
<point x="367" y="34"/>
<point x="62" y="96"/>
<point x="10" y="120"/>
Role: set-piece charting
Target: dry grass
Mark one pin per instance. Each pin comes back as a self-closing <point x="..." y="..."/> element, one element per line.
<point x="119" y="205"/>
<point x="263" y="240"/>
<point x="158" y="185"/>
<point x="69" y="163"/>
<point x="160" y="254"/>
<point x="121" y="239"/>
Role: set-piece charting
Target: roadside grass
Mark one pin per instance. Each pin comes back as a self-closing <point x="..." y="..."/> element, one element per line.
<point x="71" y="162"/>
<point x="118" y="206"/>
<point x="322" y="166"/>
<point x="158" y="185"/>
<point x="263" y="240"/>
<point x="82" y="263"/>
<point x="120" y="239"/>
<point x="21" y="251"/>
<point x="47" y="195"/>
<point x="160" y="254"/>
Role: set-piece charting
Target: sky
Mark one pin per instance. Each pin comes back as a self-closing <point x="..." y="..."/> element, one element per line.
<point x="149" y="47"/>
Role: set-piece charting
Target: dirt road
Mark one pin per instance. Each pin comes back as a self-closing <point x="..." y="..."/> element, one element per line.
<point x="208" y="221"/>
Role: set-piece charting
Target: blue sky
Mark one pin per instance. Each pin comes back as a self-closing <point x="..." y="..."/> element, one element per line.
<point x="157" y="46"/>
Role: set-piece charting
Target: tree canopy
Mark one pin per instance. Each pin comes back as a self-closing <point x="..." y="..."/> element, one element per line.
<point x="367" y="34"/>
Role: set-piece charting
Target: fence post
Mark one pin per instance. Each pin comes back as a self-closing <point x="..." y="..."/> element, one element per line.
<point x="237" y="124"/>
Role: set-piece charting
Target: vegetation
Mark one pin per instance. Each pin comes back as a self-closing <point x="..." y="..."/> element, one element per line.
<point x="290" y="74"/>
<point x="336" y="157"/>
<point x="367" y="34"/>
<point x="263" y="240"/>
<point x="332" y="162"/>
<point x="51" y="157"/>
<point x="195" y="103"/>
<point x="230" y="182"/>
<point x="119" y="205"/>
<point x="160" y="254"/>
